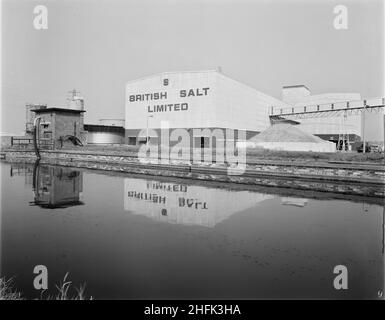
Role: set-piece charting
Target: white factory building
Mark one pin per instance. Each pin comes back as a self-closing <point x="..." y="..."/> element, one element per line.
<point x="195" y="100"/>
<point x="208" y="99"/>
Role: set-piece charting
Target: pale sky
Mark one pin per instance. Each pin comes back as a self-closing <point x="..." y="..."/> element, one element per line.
<point x="96" y="46"/>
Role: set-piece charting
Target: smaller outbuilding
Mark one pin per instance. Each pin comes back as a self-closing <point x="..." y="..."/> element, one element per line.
<point x="58" y="127"/>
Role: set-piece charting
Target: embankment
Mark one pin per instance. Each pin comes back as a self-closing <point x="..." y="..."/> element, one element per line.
<point x="367" y="179"/>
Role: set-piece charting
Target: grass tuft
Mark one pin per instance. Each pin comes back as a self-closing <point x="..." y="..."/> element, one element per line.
<point x="8" y="291"/>
<point x="66" y="291"/>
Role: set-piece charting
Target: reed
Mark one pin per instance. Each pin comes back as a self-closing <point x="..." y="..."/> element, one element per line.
<point x="8" y="291"/>
<point x="65" y="291"/>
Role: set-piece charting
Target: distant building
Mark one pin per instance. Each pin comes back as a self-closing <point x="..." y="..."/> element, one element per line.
<point x="104" y="134"/>
<point x="107" y="131"/>
<point x="112" y="122"/>
<point x="328" y="128"/>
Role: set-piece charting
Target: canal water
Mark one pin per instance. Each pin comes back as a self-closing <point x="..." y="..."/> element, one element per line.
<point x="142" y="237"/>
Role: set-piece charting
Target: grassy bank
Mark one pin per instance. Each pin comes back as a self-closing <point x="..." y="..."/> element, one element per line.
<point x="8" y="291"/>
<point x="65" y="291"/>
<point x="251" y="153"/>
<point x="259" y="154"/>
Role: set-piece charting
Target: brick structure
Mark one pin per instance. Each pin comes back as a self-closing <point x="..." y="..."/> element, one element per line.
<point x="58" y="125"/>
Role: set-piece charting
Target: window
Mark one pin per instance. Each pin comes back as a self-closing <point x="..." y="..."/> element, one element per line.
<point x="47" y="134"/>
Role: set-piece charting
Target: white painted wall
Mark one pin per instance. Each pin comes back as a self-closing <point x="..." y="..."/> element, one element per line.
<point x="228" y="104"/>
<point x="201" y="110"/>
<point x="242" y="107"/>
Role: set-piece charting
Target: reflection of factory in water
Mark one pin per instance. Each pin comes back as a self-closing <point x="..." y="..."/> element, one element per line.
<point x="53" y="187"/>
<point x="309" y="235"/>
<point x="57" y="187"/>
<point x="22" y="169"/>
<point x="186" y="204"/>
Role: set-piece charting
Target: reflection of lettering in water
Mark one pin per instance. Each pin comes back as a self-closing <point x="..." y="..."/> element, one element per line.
<point x="156" y="198"/>
<point x="182" y="204"/>
<point x="153" y="197"/>
<point x="156" y="185"/>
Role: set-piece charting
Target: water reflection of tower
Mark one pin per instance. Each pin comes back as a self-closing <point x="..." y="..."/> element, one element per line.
<point x="57" y="187"/>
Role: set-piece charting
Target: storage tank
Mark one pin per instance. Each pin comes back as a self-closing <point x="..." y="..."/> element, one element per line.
<point x="75" y="101"/>
<point x="99" y="134"/>
<point x="112" y="122"/>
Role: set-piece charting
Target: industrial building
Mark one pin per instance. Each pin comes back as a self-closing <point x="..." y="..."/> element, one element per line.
<point x="57" y="127"/>
<point x="208" y="99"/>
<point x="201" y="101"/>
<point x="194" y="100"/>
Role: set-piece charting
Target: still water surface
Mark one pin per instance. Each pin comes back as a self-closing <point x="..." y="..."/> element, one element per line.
<point x="139" y="237"/>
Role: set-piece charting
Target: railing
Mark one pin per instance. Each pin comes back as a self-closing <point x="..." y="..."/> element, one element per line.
<point x="21" y="141"/>
<point x="329" y="107"/>
<point x="46" y="144"/>
<point x="25" y="142"/>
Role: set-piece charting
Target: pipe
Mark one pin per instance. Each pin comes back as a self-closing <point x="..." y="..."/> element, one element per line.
<point x="36" y="122"/>
<point x="35" y="175"/>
